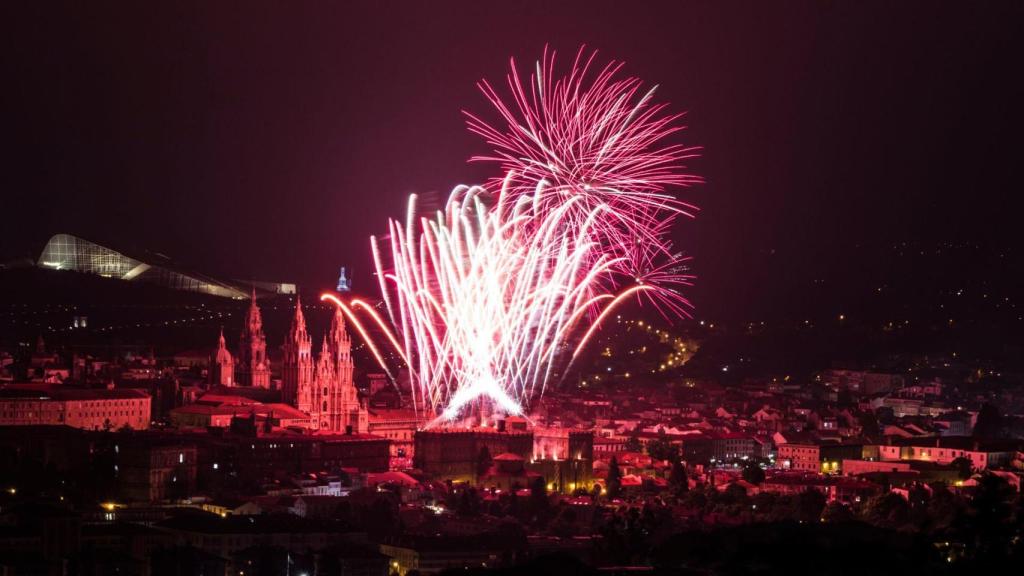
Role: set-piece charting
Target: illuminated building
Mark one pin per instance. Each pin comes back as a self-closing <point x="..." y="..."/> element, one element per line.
<point x="843" y="489"/>
<point x="218" y="411"/>
<point x="222" y="365"/>
<point x="253" y="368"/>
<point x="297" y="364"/>
<point x="815" y="455"/>
<point x="563" y="457"/>
<point x="944" y="449"/>
<point x="274" y="453"/>
<point x="507" y="473"/>
<point x="344" y="282"/>
<point x="430" y="554"/>
<point x="322" y="387"/>
<point x="152" y="469"/>
<point x="453" y="454"/>
<point x="317" y="394"/>
<point x="79" y="408"/>
<point x="67" y="252"/>
<point x="398" y="425"/>
<point x="862" y="382"/>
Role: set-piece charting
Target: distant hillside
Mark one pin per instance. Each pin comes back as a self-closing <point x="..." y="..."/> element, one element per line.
<point x="32" y="285"/>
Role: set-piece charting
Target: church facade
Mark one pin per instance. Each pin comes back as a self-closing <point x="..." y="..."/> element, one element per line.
<point x="320" y="386"/>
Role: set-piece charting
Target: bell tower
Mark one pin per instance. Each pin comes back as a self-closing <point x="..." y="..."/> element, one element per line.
<point x="222" y="365"/>
<point x="253" y="366"/>
<point x="297" y="369"/>
<point x="346" y="412"/>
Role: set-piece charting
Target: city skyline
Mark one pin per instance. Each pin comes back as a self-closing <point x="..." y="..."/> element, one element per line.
<point x="511" y="289"/>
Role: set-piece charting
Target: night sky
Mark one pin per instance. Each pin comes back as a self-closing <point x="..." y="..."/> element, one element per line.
<point x="270" y="141"/>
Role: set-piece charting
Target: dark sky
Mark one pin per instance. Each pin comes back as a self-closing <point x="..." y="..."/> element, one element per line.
<point x="271" y="140"/>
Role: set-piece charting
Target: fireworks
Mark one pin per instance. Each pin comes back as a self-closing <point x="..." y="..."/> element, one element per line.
<point x="491" y="298"/>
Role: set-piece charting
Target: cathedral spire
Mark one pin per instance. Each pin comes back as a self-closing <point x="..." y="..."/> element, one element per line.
<point x="325" y="349"/>
<point x="222" y="365"/>
<point x="337" y="402"/>
<point x="297" y="363"/>
<point x="338" y="339"/>
<point x="299" y="323"/>
<point x="253" y="368"/>
<point x="255" y="319"/>
<point x="326" y="374"/>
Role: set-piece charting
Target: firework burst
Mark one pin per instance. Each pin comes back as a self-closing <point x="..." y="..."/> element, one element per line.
<point x="490" y="298"/>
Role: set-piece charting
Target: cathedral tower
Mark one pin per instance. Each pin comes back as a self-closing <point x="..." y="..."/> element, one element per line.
<point x="341" y="349"/>
<point x="222" y="365"/>
<point x="297" y="369"/>
<point x="336" y="402"/>
<point x="253" y="367"/>
<point x="323" y="382"/>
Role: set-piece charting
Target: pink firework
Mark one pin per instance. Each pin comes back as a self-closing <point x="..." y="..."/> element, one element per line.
<point x="596" y="137"/>
<point x="493" y="296"/>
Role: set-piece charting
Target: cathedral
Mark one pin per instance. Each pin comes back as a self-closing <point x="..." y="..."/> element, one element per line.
<point x="321" y="386"/>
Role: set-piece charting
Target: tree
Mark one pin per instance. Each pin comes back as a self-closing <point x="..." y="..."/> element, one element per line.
<point x="538" y="495"/>
<point x="918" y="496"/>
<point x="677" y="478"/>
<point x="633" y="444"/>
<point x="868" y="422"/>
<point x="381" y="518"/>
<point x="614" y="480"/>
<point x="845" y="398"/>
<point x="483" y="462"/>
<point x="887" y="510"/>
<point x="512" y="537"/>
<point x="919" y="499"/>
<point x="809" y="505"/>
<point x="991" y="510"/>
<point x="885" y="415"/>
<point x="469" y="502"/>
<point x="944" y="508"/>
<point x="662" y="449"/>
<point x="963" y="466"/>
<point x="837" y="512"/>
<point x="696" y="499"/>
<point x="511" y="503"/>
<point x="753" y="473"/>
<point x="734" y="494"/>
<point x="563" y="523"/>
<point x="764" y="502"/>
<point x="989" y="423"/>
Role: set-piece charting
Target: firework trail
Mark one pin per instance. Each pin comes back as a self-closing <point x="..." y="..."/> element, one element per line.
<point x="490" y="298"/>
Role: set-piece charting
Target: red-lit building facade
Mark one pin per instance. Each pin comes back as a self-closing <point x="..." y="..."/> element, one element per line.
<point x="89" y="409"/>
